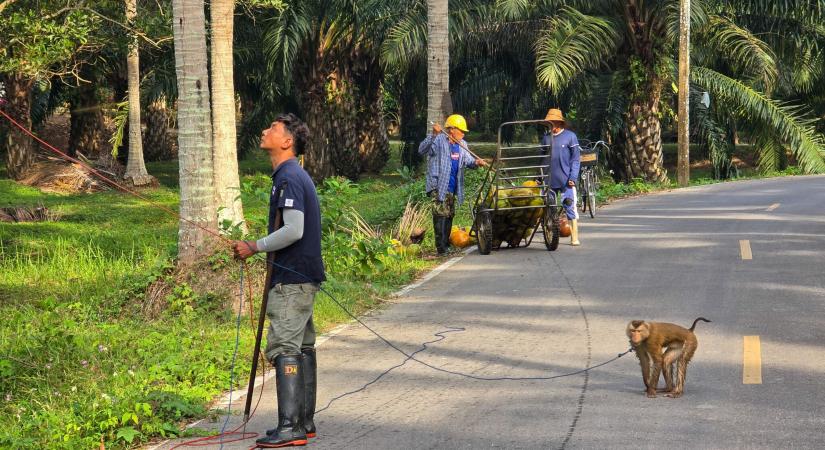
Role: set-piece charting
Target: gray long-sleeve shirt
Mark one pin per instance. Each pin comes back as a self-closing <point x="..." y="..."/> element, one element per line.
<point x="288" y="234"/>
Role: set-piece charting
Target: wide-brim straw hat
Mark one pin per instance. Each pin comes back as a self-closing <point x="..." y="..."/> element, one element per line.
<point x="555" y="115"/>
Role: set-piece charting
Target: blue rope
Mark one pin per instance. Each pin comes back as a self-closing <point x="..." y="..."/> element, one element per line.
<point x="234" y="354"/>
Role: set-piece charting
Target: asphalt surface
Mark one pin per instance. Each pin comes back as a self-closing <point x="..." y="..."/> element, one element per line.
<point x="528" y="312"/>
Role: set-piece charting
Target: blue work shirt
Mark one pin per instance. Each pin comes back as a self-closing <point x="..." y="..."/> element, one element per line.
<point x="455" y="157"/>
<point x="564" y="158"/>
<point x="293" y="188"/>
<point x="439" y="165"/>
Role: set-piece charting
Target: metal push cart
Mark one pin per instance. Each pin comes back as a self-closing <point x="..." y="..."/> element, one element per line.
<point x="514" y="200"/>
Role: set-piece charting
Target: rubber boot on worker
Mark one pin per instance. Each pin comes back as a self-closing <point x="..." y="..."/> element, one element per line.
<point x="448" y="230"/>
<point x="310" y="370"/>
<point x="574" y="232"/>
<point x="438" y="231"/>
<point x="289" y="383"/>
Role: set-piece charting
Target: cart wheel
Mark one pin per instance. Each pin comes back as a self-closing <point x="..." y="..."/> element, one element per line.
<point x="550" y="227"/>
<point x="484" y="232"/>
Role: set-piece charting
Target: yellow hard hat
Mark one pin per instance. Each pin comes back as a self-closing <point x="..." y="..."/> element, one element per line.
<point x="456" y="121"/>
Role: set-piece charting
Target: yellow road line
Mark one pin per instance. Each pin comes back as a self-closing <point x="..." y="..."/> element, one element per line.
<point x="751" y="360"/>
<point x="745" y="249"/>
<point x="772" y="207"/>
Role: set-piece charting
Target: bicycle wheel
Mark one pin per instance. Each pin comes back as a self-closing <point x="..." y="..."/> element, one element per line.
<point x="583" y="191"/>
<point x="591" y="194"/>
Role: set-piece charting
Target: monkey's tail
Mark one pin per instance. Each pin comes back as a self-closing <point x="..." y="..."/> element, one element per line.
<point x="698" y="319"/>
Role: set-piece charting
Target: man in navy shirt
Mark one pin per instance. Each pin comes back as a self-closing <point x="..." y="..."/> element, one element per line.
<point x="297" y="241"/>
<point x="447" y="156"/>
<point x="564" y="166"/>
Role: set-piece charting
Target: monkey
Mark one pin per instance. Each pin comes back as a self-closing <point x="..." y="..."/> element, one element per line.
<point x="659" y="346"/>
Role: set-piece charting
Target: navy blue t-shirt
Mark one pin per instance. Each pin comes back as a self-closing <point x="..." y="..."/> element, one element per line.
<point x="304" y="256"/>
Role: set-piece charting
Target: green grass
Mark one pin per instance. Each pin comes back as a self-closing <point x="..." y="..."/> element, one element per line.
<point x="79" y="359"/>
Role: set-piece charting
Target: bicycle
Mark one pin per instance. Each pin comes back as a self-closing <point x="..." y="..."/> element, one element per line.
<point x="588" y="178"/>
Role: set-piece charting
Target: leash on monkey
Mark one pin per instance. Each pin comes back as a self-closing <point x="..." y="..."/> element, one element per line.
<point x="270" y="266"/>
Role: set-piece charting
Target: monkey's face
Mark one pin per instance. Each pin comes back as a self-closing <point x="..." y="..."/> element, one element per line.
<point x="637" y="331"/>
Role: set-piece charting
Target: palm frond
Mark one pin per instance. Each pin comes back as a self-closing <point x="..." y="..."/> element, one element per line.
<point x="572" y="43"/>
<point x="514" y="9"/>
<point x="744" y="50"/>
<point x="284" y="35"/>
<point x="813" y="9"/>
<point x="770" y="152"/>
<point x="788" y="122"/>
<point x="713" y="135"/>
<point x="407" y="40"/>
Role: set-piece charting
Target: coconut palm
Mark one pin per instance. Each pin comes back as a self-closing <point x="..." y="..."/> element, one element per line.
<point x="224" y="145"/>
<point x="438" y="61"/>
<point x="412" y="44"/>
<point x="626" y="50"/>
<point x="135" y="168"/>
<point x="197" y="194"/>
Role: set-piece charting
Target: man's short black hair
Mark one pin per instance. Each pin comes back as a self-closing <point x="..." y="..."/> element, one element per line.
<point x="297" y="128"/>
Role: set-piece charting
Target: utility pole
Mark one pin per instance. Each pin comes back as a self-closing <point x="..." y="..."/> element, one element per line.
<point x="683" y="162"/>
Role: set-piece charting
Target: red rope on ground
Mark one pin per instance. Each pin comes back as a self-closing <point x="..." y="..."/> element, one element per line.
<point x="204" y="441"/>
<point x="109" y="180"/>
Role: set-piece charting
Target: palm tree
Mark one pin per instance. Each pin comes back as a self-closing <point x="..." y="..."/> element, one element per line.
<point x="439" y="103"/>
<point x="197" y="193"/>
<point x="224" y="142"/>
<point x="31" y="55"/>
<point x="620" y="55"/>
<point x="135" y="167"/>
<point x="420" y="40"/>
<point x="300" y="46"/>
<point x="325" y="55"/>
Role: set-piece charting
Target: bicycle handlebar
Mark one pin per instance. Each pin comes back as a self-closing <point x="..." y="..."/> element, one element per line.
<point x="593" y="145"/>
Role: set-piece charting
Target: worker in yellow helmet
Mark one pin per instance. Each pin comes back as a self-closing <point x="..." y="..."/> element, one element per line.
<point x="447" y="156"/>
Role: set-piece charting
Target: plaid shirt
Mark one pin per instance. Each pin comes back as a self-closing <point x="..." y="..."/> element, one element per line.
<point x="439" y="165"/>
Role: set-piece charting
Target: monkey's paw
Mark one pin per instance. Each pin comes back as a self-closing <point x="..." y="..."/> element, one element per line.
<point x="674" y="395"/>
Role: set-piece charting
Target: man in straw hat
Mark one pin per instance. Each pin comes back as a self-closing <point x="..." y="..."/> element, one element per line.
<point x="564" y="166"/>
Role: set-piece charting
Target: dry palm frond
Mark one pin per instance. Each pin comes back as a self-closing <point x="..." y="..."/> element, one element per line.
<point x="357" y="226"/>
<point x="26" y="214"/>
<point x="57" y="176"/>
<point x="412" y="224"/>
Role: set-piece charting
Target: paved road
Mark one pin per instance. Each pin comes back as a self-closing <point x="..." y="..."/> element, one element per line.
<point x="529" y="312"/>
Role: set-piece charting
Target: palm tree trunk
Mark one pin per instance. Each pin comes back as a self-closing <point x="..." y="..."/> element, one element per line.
<point x="439" y="103"/>
<point x="224" y="140"/>
<point x="411" y="127"/>
<point x="310" y="90"/>
<point x="19" y="147"/>
<point x="373" y="143"/>
<point x="643" y="132"/>
<point x="341" y="124"/>
<point x="197" y="191"/>
<point x="86" y="121"/>
<point x="135" y="167"/>
<point x="157" y="141"/>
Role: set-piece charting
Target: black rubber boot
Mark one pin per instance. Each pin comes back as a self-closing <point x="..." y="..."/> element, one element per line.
<point x="438" y="234"/>
<point x="310" y="368"/>
<point x="448" y="228"/>
<point x="289" y="382"/>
